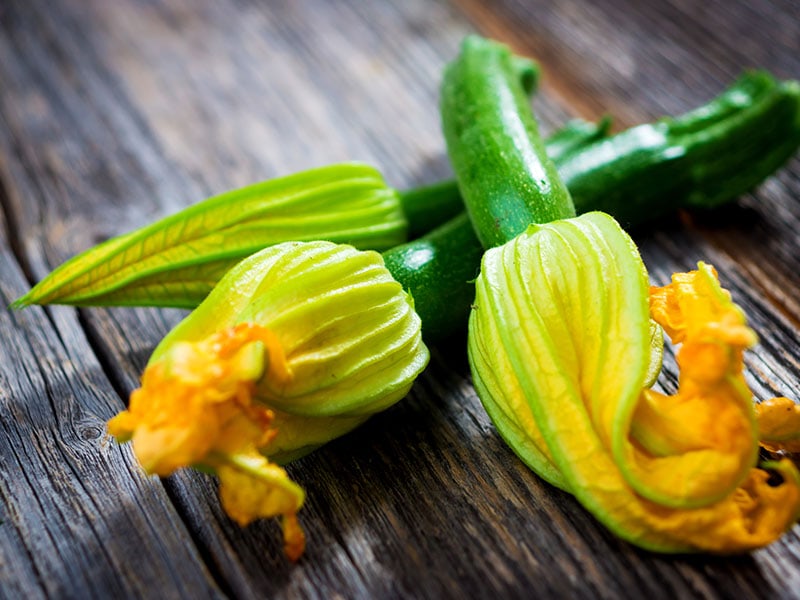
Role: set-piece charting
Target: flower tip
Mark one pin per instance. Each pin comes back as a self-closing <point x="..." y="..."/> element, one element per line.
<point x="21" y="302"/>
<point x="779" y="425"/>
<point x="294" y="539"/>
<point x="196" y="399"/>
<point x="252" y="488"/>
<point x="121" y="427"/>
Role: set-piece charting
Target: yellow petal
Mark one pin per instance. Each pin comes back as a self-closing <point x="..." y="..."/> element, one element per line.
<point x="779" y="425"/>
<point x="252" y="488"/>
<point x="753" y="516"/>
<point x="694" y="447"/>
<point x="168" y="422"/>
<point x="294" y="539"/>
<point x="198" y="399"/>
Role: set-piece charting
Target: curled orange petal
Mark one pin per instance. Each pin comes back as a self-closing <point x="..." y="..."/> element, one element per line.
<point x="696" y="446"/>
<point x="253" y="488"/>
<point x="197" y="399"/>
<point x="779" y="424"/>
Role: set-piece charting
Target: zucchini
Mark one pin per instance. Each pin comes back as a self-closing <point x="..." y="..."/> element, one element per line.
<point x="699" y="160"/>
<point x="432" y="205"/>
<point x="503" y="172"/>
<point x="438" y="268"/>
<point x="702" y="159"/>
<point x="177" y="260"/>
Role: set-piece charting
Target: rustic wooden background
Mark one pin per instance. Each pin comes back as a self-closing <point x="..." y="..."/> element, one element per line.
<point x="115" y="112"/>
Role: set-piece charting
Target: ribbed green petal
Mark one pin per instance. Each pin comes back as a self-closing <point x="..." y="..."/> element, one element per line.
<point x="350" y="334"/>
<point x="177" y="260"/>
<point x="560" y="326"/>
<point x="561" y="347"/>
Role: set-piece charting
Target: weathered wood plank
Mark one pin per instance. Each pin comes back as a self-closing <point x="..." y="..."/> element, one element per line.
<point x="641" y="60"/>
<point x="113" y="113"/>
<point x="76" y="512"/>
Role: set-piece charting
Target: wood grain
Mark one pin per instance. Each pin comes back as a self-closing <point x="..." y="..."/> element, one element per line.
<point x="75" y="508"/>
<point x="114" y="113"/>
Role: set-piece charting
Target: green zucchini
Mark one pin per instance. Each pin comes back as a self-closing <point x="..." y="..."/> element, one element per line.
<point x="438" y="268"/>
<point x="701" y="159"/>
<point x="706" y="157"/>
<point x="432" y="205"/>
<point x="504" y="175"/>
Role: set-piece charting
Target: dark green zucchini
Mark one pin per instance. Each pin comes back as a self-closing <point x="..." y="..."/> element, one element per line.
<point x="428" y="206"/>
<point x="438" y="268"/>
<point x="503" y="172"/>
<point x="701" y="159"/>
<point x="704" y="158"/>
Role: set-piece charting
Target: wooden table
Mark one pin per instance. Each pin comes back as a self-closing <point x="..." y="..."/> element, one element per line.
<point x="115" y="112"/>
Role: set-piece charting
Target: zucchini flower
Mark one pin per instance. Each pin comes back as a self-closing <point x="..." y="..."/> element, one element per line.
<point x="297" y="345"/>
<point x="177" y="260"/>
<point x="560" y="349"/>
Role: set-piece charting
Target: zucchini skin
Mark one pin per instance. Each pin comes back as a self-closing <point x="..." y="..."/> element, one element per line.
<point x="504" y="174"/>
<point x="438" y="269"/>
<point x="702" y="159"/>
<point x="429" y="206"/>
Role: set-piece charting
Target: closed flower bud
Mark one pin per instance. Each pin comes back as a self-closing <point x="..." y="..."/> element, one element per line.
<point x="295" y="346"/>
<point x="178" y="259"/>
<point x="349" y="334"/>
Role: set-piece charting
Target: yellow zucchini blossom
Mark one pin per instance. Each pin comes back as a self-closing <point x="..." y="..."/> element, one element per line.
<point x="560" y="349"/>
<point x="195" y="408"/>
<point x="295" y="346"/>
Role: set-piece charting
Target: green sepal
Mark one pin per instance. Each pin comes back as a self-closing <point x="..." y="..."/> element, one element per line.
<point x="177" y="260"/>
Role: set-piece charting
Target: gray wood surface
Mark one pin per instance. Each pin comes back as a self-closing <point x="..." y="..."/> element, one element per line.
<point x="115" y="112"/>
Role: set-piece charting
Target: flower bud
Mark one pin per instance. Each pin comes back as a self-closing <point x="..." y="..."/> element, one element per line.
<point x="560" y="351"/>
<point x="176" y="260"/>
<point x="295" y="346"/>
<point x="349" y="334"/>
